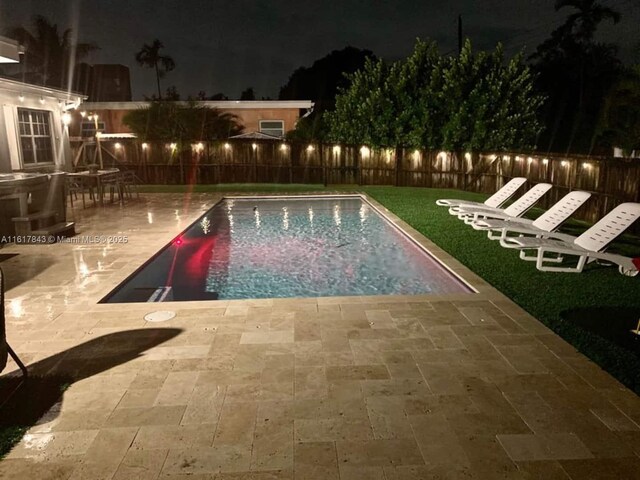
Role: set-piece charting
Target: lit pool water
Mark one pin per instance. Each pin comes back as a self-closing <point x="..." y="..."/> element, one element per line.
<point x="288" y="247"/>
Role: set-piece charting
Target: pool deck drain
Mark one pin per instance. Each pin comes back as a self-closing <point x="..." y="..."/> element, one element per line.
<point x="457" y="386"/>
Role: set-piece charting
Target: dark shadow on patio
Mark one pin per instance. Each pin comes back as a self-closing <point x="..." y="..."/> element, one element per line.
<point x="22" y="405"/>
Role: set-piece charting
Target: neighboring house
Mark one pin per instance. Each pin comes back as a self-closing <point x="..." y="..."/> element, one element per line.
<point x="33" y="126"/>
<point x="271" y="117"/>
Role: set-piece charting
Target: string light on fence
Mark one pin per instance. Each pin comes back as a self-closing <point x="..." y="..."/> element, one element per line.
<point x="83" y="114"/>
<point x="283" y="147"/>
<point x="442" y="156"/>
<point x="518" y="158"/>
<point x="254" y="146"/>
<point x="145" y="146"/>
<point x="416" y="155"/>
<point x="173" y="146"/>
<point x="117" y="145"/>
<point x="336" y="150"/>
<point x="529" y="160"/>
<point x="310" y="148"/>
<point x="506" y="157"/>
<point x="586" y="165"/>
<point x="545" y="161"/>
<point x="199" y="147"/>
<point x="227" y="146"/>
<point x="492" y="157"/>
<point x="564" y="163"/>
<point x="467" y="156"/>
<point x="364" y="151"/>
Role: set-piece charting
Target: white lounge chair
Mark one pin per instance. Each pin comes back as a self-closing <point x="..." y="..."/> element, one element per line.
<point x="516" y="209"/>
<point x="542" y="227"/>
<point x="588" y="247"/>
<point x="494" y="201"/>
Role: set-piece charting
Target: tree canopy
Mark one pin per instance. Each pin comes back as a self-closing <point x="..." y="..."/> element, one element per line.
<point x="49" y="54"/>
<point x="149" y="56"/>
<point x="470" y="101"/>
<point x="181" y="122"/>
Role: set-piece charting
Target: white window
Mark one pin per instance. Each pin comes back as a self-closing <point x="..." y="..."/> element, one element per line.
<point x="88" y="128"/>
<point x="272" y="127"/>
<point x="36" y="140"/>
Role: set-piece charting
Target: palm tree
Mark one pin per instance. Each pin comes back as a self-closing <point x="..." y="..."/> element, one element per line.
<point x="149" y="56"/>
<point x="584" y="22"/>
<point x="49" y="56"/>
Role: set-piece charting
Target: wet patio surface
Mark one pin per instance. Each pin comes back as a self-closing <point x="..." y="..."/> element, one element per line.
<point x="462" y="386"/>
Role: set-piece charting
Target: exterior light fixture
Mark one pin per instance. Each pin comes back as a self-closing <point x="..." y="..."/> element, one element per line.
<point x="66" y="119"/>
<point x="83" y="114"/>
<point x="21" y="97"/>
<point x="42" y="100"/>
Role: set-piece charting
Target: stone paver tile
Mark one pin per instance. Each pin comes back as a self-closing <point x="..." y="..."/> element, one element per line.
<point x="267" y="475"/>
<point x="487" y="424"/>
<point x="58" y="469"/>
<point x="554" y="446"/>
<point x="542" y="470"/>
<point x="177" y="389"/>
<point x="138" y="398"/>
<point x="444" y="338"/>
<point x="332" y="429"/>
<point x="438" y="444"/>
<point x="373" y="453"/>
<point x="335" y="341"/>
<point x="56" y="421"/>
<point x="51" y="445"/>
<point x="603" y="468"/>
<point x="442" y="404"/>
<point x="92" y="400"/>
<point x="141" y="464"/>
<point x="284" y="336"/>
<point x="127" y="417"/>
<point x="174" y="436"/>
<point x="401" y="365"/>
<point x="237" y="424"/>
<point x="435" y="471"/>
<point x="358" y="372"/>
<point x="105" y="454"/>
<point x="399" y="386"/>
<point x="198" y="460"/>
<point x="316" y="461"/>
<point x="349" y="472"/>
<point x="614" y="419"/>
<point x="205" y="405"/>
<point x="310" y="382"/>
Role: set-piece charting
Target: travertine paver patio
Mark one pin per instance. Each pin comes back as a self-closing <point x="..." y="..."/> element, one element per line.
<point x="465" y="386"/>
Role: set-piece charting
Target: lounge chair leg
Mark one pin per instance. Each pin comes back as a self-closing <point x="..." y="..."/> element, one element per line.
<point x="16" y="359"/>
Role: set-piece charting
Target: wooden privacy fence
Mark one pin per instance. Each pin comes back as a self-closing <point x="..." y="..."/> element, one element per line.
<point x="611" y="181"/>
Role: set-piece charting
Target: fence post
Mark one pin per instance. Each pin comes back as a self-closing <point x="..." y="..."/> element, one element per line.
<point x="322" y="163"/>
<point x="398" y="153"/>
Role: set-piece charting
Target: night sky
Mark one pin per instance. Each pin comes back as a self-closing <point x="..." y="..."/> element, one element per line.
<point x="226" y="46"/>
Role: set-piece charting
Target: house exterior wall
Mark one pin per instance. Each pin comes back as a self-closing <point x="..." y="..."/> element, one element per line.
<point x="249" y="114"/>
<point x="15" y="95"/>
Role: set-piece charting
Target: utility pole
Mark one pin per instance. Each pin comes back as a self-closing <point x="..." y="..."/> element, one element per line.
<point x="459" y="34"/>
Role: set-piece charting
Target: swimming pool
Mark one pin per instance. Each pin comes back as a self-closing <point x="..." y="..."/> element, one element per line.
<point x="274" y="247"/>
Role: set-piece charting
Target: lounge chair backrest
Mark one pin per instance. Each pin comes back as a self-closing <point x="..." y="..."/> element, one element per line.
<point x="528" y="200"/>
<point x="505" y="193"/>
<point x="609" y="227"/>
<point x="561" y="211"/>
